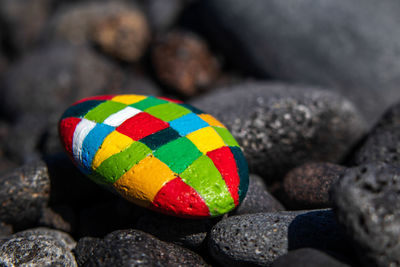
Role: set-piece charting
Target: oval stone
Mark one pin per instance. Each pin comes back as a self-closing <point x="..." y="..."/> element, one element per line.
<point x="156" y="152"/>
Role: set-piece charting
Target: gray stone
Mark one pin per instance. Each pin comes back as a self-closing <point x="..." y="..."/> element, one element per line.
<point x="367" y="203"/>
<point x="383" y="142"/>
<point x="63" y="237"/>
<point x="258" y="199"/>
<point x="35" y="249"/>
<point x="307" y="186"/>
<point x="24" y="192"/>
<point x="282" y="126"/>
<point x="185" y="232"/>
<point x="354" y="49"/>
<point x="308" y="257"/>
<point x="136" y="248"/>
<point x="261" y="238"/>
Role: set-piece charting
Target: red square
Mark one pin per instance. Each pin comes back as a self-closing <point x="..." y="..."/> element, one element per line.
<point x="66" y="129"/>
<point x="141" y="125"/>
<point x="225" y="162"/>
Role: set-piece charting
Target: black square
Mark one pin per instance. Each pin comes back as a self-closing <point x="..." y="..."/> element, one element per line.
<point x="160" y="138"/>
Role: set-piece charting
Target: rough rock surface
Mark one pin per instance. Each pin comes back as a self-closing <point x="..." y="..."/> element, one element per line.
<point x="291" y="41"/>
<point x="258" y="199"/>
<point x="136" y="248"/>
<point x="307" y="186"/>
<point x="36" y="248"/>
<point x="367" y="203"/>
<point x="63" y="237"/>
<point x="24" y="192"/>
<point x="282" y="126"/>
<point x="261" y="238"/>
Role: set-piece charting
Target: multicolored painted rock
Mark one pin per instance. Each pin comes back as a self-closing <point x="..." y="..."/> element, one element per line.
<point x="157" y="152"/>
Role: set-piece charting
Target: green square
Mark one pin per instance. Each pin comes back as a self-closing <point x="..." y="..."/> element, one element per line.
<point x="104" y="110"/>
<point x="178" y="154"/>
<point x="148" y="102"/>
<point x="229" y="140"/>
<point x="205" y="178"/>
<point x="168" y="111"/>
<point x="118" y="164"/>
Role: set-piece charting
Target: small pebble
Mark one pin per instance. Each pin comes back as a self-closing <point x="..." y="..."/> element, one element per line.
<point x="24" y="192"/>
<point x="157" y="153"/>
<point x="367" y="204"/>
<point x="307" y="187"/>
<point x="124" y="35"/>
<point x="183" y="62"/>
<point x="258" y="199"/>
<point x="136" y="248"/>
<point x="259" y="239"/>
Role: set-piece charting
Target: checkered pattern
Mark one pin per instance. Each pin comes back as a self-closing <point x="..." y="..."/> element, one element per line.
<point x="157" y="152"/>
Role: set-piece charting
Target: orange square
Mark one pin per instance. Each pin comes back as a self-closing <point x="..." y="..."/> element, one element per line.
<point x="143" y="181"/>
<point x="211" y="120"/>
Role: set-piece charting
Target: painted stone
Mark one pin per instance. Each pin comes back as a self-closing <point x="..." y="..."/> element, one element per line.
<point x="156" y="152"/>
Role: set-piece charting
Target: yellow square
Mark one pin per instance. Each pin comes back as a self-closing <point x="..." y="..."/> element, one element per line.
<point x="211" y="120"/>
<point x="114" y="143"/>
<point x="128" y="99"/>
<point x="206" y="139"/>
<point x="143" y="181"/>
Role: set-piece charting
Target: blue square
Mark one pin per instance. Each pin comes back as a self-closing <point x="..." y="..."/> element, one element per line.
<point x="92" y="142"/>
<point x="187" y="124"/>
